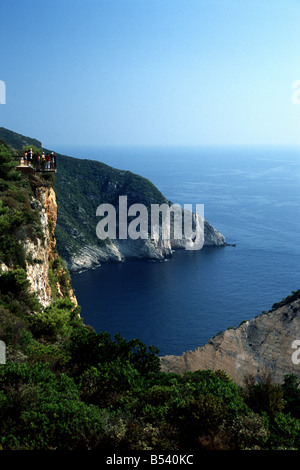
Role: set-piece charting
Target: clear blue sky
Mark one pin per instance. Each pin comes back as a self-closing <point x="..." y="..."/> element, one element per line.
<point x="178" y="72"/>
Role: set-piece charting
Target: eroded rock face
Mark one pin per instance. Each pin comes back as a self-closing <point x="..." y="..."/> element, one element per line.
<point x="37" y="252"/>
<point x="93" y="255"/>
<point x="264" y="345"/>
<point x="117" y="251"/>
<point x="42" y="251"/>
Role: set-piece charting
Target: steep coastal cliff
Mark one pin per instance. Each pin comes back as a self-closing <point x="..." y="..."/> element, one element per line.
<point x="29" y="262"/>
<point x="39" y="252"/>
<point x="91" y="255"/>
<point x="81" y="185"/>
<point x="65" y="387"/>
<point x="43" y="251"/>
<point x="262" y="346"/>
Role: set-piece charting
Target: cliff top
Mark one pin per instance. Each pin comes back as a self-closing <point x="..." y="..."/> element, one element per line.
<point x="17" y="141"/>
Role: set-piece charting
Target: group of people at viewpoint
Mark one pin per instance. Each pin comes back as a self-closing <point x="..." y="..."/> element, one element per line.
<point x="40" y="162"/>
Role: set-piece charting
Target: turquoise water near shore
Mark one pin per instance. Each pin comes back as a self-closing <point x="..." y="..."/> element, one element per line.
<point x="251" y="195"/>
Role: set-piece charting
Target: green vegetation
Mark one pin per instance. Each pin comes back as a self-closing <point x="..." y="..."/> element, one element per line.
<point x="77" y="201"/>
<point x="19" y="218"/>
<point x="74" y="389"/>
<point x="66" y="387"/>
<point x="295" y="295"/>
<point x="18" y="141"/>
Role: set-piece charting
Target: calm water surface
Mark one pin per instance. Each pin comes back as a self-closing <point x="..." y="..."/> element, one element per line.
<point x="251" y="195"/>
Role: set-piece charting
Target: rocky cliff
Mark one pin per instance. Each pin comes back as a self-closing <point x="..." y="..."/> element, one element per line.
<point x="91" y="255"/>
<point x="42" y="250"/>
<point x="265" y="345"/>
<point x="81" y="186"/>
<point x="39" y="250"/>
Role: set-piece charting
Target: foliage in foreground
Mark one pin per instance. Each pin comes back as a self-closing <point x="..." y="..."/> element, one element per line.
<point x="66" y="387"/>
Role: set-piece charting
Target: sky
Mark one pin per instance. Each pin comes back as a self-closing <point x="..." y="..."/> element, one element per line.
<point x="151" y="72"/>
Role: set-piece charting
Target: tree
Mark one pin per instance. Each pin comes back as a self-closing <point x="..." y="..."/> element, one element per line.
<point x="7" y="162"/>
<point x="291" y="395"/>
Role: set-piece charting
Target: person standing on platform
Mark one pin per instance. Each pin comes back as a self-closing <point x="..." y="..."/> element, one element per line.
<point x="38" y="162"/>
<point x="43" y="161"/>
<point x="48" y="159"/>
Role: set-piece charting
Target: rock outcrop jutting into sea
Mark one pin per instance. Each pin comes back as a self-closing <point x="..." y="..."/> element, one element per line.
<point x="266" y="345"/>
<point x="81" y="186"/>
<point x="92" y="255"/>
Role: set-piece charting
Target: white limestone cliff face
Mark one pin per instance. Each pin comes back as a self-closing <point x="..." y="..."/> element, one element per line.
<point x="264" y="345"/>
<point x="116" y="251"/>
<point x="42" y="251"/>
<point x="93" y="255"/>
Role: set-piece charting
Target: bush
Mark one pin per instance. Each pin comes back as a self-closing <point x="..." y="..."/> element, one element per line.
<point x="249" y="432"/>
<point x="123" y="432"/>
<point x="108" y="383"/>
<point x="15" y="293"/>
<point x="264" y="397"/>
<point x="285" y="432"/>
<point x="87" y="348"/>
<point x="41" y="410"/>
<point x="12" y="252"/>
<point x="220" y="385"/>
<point x="291" y="395"/>
<point x="59" y="276"/>
<point x="7" y="162"/>
<point x="12" y="329"/>
<point x="56" y="321"/>
<point x="199" y="416"/>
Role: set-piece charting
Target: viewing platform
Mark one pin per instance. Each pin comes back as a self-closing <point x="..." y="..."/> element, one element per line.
<point x="30" y="169"/>
<point x="36" y="164"/>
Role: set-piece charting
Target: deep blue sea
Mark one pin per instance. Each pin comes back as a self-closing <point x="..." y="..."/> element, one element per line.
<point x="251" y="195"/>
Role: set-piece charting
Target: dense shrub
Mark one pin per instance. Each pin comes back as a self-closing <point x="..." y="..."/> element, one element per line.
<point x="291" y="395"/>
<point x="264" y="396"/>
<point x="7" y="163"/>
<point x="109" y="382"/>
<point x="56" y="321"/>
<point x="11" y="250"/>
<point x="87" y="348"/>
<point x="59" y="276"/>
<point x="12" y="329"/>
<point x="66" y="387"/>
<point x="285" y="432"/>
<point x="41" y="410"/>
<point x="15" y="293"/>
<point x="247" y="432"/>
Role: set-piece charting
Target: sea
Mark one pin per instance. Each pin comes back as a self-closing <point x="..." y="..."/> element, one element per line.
<point x="251" y="194"/>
